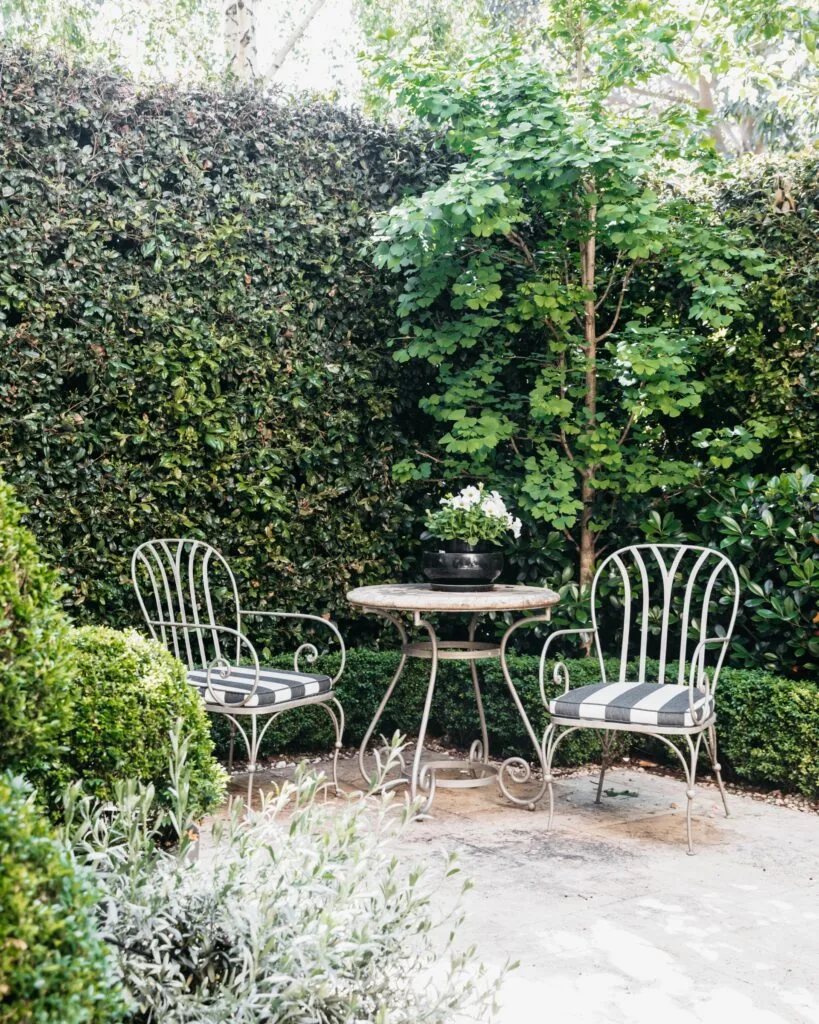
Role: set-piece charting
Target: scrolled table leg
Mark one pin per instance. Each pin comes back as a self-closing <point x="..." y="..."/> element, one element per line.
<point x="415" y="776"/>
<point x="399" y="625"/>
<point x="483" y="756"/>
<point x="519" y="770"/>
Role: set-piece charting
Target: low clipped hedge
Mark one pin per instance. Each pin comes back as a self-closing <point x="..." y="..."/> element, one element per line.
<point x="54" y="968"/>
<point x="768" y="727"/>
<point x="129" y="691"/>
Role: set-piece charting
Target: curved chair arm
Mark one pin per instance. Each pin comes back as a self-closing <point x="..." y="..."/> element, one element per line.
<point x="219" y="663"/>
<point x="533" y="619"/>
<point x="310" y="649"/>
<point x="697" y="674"/>
<point x="560" y="674"/>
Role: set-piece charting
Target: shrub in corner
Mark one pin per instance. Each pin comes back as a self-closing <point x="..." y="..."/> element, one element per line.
<point x="129" y="692"/>
<point x="54" y="967"/>
<point x="35" y="662"/>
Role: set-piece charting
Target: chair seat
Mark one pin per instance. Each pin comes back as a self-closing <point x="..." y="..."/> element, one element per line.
<point x="276" y="686"/>
<point x="634" y="704"/>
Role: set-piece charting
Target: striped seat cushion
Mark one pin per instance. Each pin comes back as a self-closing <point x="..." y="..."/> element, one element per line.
<point x="276" y="686"/>
<point x="634" y="704"/>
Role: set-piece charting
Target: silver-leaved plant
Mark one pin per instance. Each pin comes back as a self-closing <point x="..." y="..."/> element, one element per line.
<point x="299" y="912"/>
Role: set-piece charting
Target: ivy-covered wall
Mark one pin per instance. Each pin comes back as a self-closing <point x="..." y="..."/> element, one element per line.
<point x="193" y="337"/>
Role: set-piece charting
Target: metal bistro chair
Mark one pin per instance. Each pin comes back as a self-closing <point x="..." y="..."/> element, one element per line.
<point x="179" y="598"/>
<point x="664" y="709"/>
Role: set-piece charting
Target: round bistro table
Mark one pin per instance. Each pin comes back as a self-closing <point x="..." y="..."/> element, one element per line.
<point x="419" y="600"/>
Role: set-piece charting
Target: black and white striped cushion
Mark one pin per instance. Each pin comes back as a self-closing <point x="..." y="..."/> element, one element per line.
<point x="635" y="704"/>
<point x="276" y="686"/>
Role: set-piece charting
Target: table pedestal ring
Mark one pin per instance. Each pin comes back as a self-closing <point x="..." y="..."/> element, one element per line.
<point x="425" y="776"/>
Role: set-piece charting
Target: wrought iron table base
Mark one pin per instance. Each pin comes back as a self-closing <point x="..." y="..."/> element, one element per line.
<point x="425" y="777"/>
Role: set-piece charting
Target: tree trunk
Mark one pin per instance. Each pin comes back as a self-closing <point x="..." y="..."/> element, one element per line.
<point x="240" y="40"/>
<point x="587" y="552"/>
<point x="587" y="261"/>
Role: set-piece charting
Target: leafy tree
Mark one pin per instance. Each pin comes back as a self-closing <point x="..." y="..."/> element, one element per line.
<point x="528" y="286"/>
<point x="749" y="66"/>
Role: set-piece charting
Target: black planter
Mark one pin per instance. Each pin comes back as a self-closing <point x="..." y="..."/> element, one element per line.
<point x="461" y="566"/>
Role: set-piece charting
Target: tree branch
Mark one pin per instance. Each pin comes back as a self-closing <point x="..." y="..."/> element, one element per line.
<point x="632" y="417"/>
<point x="621" y="296"/>
<point x="517" y="241"/>
<point x="564" y="441"/>
<point x="284" y="50"/>
<point x="605" y="294"/>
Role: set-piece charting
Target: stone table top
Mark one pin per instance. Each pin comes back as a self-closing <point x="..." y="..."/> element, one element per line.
<point x="420" y="597"/>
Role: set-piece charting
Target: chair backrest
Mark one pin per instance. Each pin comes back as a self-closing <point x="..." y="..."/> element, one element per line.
<point x="187" y="582"/>
<point x="673" y="596"/>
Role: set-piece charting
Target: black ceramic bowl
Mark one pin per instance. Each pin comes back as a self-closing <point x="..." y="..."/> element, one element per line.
<point x="464" y="569"/>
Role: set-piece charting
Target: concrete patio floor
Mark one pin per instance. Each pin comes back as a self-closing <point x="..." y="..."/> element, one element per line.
<point x="612" y="921"/>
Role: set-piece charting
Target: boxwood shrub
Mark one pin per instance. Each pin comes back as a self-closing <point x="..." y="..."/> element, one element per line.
<point x="54" y="967"/>
<point x="35" y="657"/>
<point x="768" y="726"/>
<point x="129" y="691"/>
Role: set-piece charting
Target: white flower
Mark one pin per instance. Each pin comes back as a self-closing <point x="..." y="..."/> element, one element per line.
<point x="493" y="505"/>
<point x="515" y="526"/>
<point x="458" y="501"/>
<point x="471" y="495"/>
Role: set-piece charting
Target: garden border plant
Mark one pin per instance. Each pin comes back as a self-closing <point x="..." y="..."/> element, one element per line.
<point x="767" y="724"/>
<point x="54" y="966"/>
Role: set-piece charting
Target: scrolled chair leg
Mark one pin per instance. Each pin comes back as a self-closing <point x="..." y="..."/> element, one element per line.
<point x="711" y="746"/>
<point x="605" y="761"/>
<point x="338" y="723"/>
<point x="690" y="793"/>
<point x="551" y="741"/>
<point x="230" y="748"/>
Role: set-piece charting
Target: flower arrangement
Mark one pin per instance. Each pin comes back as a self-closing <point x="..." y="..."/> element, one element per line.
<point x="473" y="516"/>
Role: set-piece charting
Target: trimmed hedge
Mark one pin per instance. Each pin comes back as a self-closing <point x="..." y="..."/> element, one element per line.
<point x="194" y="340"/>
<point x="54" y="967"/>
<point x="35" y="657"/>
<point x="768" y="726"/>
<point x="128" y="692"/>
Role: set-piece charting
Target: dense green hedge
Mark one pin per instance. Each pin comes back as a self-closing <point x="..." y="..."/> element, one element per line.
<point x="770" y="370"/>
<point x="54" y="967"/>
<point x="193" y="339"/>
<point x="768" y="726"/>
<point x="128" y="693"/>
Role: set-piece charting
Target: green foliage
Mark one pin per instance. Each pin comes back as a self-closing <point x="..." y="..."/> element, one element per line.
<point x="193" y="339"/>
<point x="302" y="912"/>
<point x="780" y="749"/>
<point x="54" y="967"/>
<point x="128" y="692"/>
<point x="35" y="659"/>
<point x="744" y="71"/>
<point x="529" y="289"/>
<point x="770" y="529"/>
<point x="179" y="39"/>
<point x="769" y="370"/>
<point x="768" y="729"/>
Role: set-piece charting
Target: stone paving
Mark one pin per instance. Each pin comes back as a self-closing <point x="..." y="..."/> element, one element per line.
<point x="613" y="922"/>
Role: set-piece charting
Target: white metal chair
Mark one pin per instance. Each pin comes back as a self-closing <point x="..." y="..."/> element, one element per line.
<point x="700" y="585"/>
<point x="198" y="616"/>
